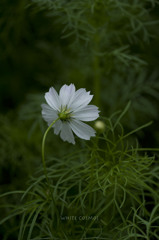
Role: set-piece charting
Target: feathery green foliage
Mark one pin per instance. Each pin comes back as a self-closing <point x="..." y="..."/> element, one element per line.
<point x="95" y="192"/>
<point x="108" y="189"/>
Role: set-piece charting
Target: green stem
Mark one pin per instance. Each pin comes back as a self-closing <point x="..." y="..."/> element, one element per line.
<point x="43" y="146"/>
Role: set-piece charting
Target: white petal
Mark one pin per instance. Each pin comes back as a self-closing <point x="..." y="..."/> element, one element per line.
<point x="48" y="113"/>
<point x="66" y="133"/>
<point x="88" y="113"/>
<point x="80" y="99"/>
<point x="66" y="94"/>
<point x="57" y="127"/>
<point x="81" y="129"/>
<point x="53" y="99"/>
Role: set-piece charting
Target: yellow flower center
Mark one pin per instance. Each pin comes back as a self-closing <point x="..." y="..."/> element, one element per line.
<point x="64" y="114"/>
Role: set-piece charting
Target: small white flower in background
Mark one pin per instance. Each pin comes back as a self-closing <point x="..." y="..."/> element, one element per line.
<point x="72" y="108"/>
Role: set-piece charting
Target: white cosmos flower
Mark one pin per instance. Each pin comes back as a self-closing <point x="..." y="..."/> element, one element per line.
<point x="71" y="107"/>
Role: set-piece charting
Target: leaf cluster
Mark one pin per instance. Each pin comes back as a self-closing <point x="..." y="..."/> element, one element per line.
<point x="106" y="190"/>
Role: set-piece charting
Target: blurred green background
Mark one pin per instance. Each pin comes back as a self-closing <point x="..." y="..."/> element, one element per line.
<point x="109" y="47"/>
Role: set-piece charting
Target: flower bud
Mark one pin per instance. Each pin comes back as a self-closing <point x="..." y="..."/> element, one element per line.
<point x="99" y="126"/>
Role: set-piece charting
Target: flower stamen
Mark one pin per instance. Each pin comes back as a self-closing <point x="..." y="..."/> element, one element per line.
<point x="64" y="114"/>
